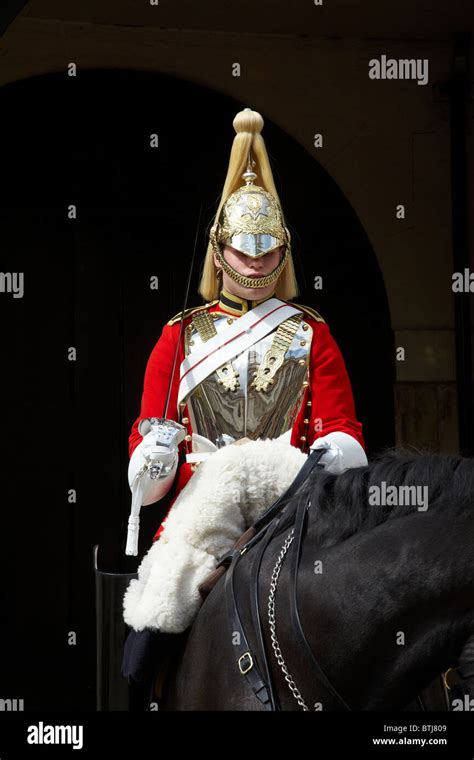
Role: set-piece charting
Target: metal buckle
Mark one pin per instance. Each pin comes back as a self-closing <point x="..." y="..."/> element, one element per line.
<point x="250" y="666"/>
<point x="451" y="678"/>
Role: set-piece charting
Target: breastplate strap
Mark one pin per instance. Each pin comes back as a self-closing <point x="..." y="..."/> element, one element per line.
<point x="228" y="377"/>
<point x="273" y="359"/>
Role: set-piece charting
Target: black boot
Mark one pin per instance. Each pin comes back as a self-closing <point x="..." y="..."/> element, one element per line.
<point x="146" y="654"/>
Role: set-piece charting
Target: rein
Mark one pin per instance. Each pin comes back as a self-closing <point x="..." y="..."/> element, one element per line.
<point x="275" y="517"/>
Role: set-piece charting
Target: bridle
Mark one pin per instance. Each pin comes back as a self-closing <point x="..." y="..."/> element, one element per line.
<point x="276" y="517"/>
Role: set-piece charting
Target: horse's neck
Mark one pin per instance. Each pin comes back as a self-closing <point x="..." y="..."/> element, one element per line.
<point x="399" y="602"/>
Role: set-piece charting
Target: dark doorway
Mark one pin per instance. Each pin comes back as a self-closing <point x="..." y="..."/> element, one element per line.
<point x="85" y="141"/>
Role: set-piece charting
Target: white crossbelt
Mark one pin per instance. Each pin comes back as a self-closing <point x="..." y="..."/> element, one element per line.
<point x="228" y="343"/>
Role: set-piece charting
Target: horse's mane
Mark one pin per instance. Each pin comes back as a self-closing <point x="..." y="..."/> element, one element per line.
<point x="340" y="503"/>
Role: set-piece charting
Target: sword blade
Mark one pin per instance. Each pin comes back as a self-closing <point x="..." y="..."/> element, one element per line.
<point x="165" y="410"/>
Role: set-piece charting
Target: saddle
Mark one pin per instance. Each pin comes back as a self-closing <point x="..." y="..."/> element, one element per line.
<point x="208" y="583"/>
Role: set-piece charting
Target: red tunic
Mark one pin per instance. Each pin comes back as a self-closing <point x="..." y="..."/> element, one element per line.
<point x="327" y="405"/>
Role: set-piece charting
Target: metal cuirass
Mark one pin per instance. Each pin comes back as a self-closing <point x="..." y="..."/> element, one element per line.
<point x="259" y="392"/>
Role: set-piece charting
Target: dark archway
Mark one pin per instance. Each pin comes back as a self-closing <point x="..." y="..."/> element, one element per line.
<point x="84" y="141"/>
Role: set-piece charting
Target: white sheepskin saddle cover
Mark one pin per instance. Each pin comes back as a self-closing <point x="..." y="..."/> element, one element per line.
<point x="227" y="493"/>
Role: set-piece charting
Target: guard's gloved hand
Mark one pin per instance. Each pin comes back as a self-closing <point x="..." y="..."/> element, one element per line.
<point x="159" y="447"/>
<point x="151" y="470"/>
<point x="341" y="452"/>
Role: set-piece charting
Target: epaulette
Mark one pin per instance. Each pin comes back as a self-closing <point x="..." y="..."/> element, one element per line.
<point x="190" y="311"/>
<point x="308" y="310"/>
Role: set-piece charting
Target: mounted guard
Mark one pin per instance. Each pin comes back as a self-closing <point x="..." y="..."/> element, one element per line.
<point x="254" y="368"/>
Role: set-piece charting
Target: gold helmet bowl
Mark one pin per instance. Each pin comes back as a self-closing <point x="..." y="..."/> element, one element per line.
<point x="251" y="222"/>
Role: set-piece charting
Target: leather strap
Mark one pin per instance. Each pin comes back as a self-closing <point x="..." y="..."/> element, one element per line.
<point x="255" y="611"/>
<point x="311" y="462"/>
<point x="210" y="581"/>
<point x="243" y="657"/>
<point x="296" y="627"/>
<point x="267" y="526"/>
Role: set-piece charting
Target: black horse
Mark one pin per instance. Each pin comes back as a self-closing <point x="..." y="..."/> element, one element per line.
<point x="385" y="592"/>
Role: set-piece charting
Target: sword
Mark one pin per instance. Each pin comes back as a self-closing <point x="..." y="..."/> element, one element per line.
<point x="165" y="410"/>
<point x="167" y="435"/>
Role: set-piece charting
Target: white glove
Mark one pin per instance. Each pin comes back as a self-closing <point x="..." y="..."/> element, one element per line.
<point x="342" y="452"/>
<point x="151" y="470"/>
<point x="155" y="459"/>
<point x="158" y="453"/>
<point x="143" y="458"/>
